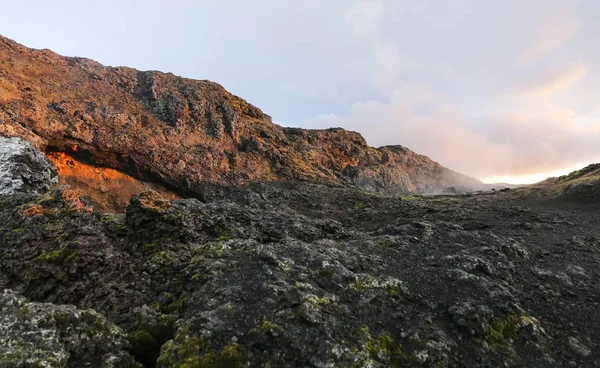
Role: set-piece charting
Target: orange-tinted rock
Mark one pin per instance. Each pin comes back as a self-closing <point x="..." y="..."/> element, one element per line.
<point x="182" y="132"/>
<point x="108" y="189"/>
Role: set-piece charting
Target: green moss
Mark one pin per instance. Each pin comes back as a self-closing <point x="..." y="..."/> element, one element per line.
<point x="358" y="285"/>
<point x="268" y="328"/>
<point x="219" y="231"/>
<point x="410" y="198"/>
<point x="194" y="352"/>
<point x="392" y="290"/>
<point x="384" y="345"/>
<point x="182" y="352"/>
<point x="160" y="255"/>
<point x="391" y="287"/>
<point x="384" y="349"/>
<point x="145" y="343"/>
<point x="54" y="255"/>
<point x="174" y="306"/>
<point x="108" y="219"/>
<point x="502" y="331"/>
<point x="318" y="302"/>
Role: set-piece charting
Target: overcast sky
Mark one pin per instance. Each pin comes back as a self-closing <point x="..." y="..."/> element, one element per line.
<point x="497" y="89"/>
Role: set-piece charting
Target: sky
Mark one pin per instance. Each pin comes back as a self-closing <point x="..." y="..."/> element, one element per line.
<point x="502" y="90"/>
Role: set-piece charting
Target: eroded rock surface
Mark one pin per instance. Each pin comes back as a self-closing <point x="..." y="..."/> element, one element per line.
<point x="48" y="335"/>
<point x="23" y="168"/>
<point x="107" y="189"/>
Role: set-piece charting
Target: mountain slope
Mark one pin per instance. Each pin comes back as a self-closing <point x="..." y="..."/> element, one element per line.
<point x="184" y="133"/>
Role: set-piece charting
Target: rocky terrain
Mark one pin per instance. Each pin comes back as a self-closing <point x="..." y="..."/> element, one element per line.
<point x="182" y="133"/>
<point x="297" y="275"/>
<point x="148" y="220"/>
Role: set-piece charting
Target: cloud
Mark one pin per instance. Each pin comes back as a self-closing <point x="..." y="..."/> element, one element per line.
<point x="542" y="82"/>
<point x="489" y="145"/>
<point x="365" y="16"/>
<point x="481" y="91"/>
<point x="558" y="26"/>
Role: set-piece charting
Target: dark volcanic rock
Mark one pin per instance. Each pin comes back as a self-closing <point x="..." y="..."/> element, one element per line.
<point x="315" y="276"/>
<point x="183" y="132"/>
<point x="23" y="168"/>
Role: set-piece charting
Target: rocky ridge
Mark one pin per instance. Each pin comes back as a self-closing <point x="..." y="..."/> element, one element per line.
<point x="184" y="133"/>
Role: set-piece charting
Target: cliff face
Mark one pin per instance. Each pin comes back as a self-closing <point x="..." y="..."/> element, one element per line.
<point x="181" y="132"/>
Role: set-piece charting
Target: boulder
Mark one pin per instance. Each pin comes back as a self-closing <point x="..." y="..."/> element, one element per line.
<point x="48" y="335"/>
<point x="23" y="168"/>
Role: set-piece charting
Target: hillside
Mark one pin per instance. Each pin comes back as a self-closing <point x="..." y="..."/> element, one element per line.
<point x="580" y="186"/>
<point x="183" y="133"/>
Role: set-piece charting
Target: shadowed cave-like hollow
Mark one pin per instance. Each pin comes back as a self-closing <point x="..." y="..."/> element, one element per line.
<point x="108" y="189"/>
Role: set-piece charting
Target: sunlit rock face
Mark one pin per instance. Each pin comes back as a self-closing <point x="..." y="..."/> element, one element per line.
<point x="158" y="127"/>
<point x="108" y="189"/>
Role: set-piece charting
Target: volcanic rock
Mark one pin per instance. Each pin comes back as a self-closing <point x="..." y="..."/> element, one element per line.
<point x="23" y="168"/>
<point x="158" y="127"/>
<point x="48" y="335"/>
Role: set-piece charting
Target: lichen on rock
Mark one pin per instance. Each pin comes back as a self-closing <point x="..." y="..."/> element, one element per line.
<point x="23" y="168"/>
<point x="48" y="335"/>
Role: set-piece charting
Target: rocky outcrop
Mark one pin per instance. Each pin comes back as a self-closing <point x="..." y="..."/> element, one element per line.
<point x="36" y="334"/>
<point x="48" y="335"/>
<point x="108" y="190"/>
<point x="185" y="133"/>
<point x="23" y="168"/>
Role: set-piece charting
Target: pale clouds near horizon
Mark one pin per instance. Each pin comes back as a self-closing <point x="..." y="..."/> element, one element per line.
<point x="495" y="88"/>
